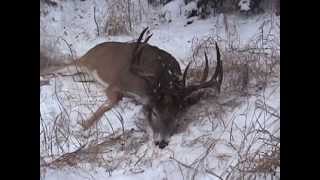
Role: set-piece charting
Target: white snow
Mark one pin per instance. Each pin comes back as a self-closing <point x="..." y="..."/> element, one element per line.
<point x="64" y="96"/>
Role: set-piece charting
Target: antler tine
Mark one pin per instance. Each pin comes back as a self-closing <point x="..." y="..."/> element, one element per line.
<point x="218" y="66"/>
<point x="139" y="41"/>
<point x="136" y="55"/>
<point x="141" y="35"/>
<point x="147" y="39"/>
<point x="206" y="69"/>
<point x="219" y="63"/>
<point x="137" y="48"/>
<point x="185" y="74"/>
<point x="215" y="80"/>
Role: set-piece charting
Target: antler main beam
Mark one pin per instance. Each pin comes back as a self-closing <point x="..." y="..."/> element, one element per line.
<point x="215" y="80"/>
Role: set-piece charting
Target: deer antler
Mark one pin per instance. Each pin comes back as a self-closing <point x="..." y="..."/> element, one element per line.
<point x="136" y="53"/>
<point x="215" y="80"/>
<point x="206" y="69"/>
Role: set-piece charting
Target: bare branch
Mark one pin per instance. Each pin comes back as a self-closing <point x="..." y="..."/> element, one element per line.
<point x="95" y="20"/>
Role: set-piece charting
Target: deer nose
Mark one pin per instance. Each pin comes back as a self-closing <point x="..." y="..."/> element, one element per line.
<point x="163" y="144"/>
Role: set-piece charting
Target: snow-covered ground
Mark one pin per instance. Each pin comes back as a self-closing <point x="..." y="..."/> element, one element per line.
<point x="224" y="131"/>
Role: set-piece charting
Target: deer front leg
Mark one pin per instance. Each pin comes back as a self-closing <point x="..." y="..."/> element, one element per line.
<point x="113" y="97"/>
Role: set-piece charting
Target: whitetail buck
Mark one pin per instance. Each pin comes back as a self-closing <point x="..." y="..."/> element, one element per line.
<point x="150" y="75"/>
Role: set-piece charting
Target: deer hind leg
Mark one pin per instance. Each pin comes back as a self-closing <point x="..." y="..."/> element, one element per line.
<point x="114" y="96"/>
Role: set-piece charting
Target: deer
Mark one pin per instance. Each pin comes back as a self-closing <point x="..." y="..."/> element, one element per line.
<point x="149" y="75"/>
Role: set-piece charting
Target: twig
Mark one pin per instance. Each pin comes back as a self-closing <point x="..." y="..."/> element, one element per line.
<point x="190" y="167"/>
<point x="140" y="158"/>
<point x="95" y="20"/>
<point x="69" y="46"/>
<point x="214" y="174"/>
<point x="181" y="171"/>
<point x="120" y="117"/>
<point x="59" y="101"/>
<point x="181" y="163"/>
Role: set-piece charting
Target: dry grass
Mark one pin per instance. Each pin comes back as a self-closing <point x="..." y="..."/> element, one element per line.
<point x="248" y="71"/>
<point x="123" y="16"/>
<point x="246" y="68"/>
<point x="258" y="153"/>
<point x="50" y="57"/>
<point x="117" y="18"/>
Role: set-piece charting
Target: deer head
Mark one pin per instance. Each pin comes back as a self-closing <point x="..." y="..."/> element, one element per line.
<point x="167" y="90"/>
